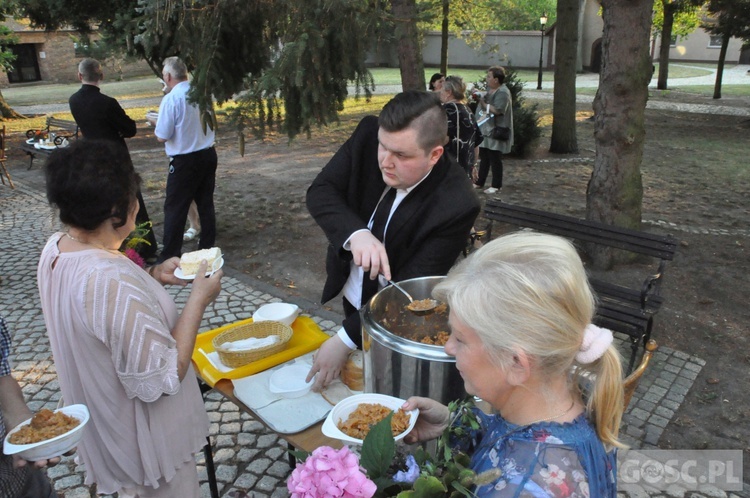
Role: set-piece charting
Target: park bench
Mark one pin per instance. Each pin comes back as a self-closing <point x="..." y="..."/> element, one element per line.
<point x="629" y="311"/>
<point x="62" y="128"/>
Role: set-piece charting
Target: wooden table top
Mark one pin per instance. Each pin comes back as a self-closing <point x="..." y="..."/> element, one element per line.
<point x="306" y="440"/>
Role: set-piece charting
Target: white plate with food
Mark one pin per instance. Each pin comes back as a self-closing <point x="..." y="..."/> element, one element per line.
<point x="217" y="266"/>
<point x="190" y="261"/>
<point x="351" y="419"/>
<point x="47" y="434"/>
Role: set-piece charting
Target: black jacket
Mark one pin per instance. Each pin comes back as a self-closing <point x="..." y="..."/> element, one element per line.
<point x="99" y="116"/>
<point x="425" y="234"/>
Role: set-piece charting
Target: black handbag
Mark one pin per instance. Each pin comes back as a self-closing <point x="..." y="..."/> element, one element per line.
<point x="500" y="133"/>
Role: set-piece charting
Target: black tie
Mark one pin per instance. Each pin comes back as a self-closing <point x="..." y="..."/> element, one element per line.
<point x="379" y="221"/>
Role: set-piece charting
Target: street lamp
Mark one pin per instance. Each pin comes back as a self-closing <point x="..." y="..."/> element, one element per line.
<point x="543" y="22"/>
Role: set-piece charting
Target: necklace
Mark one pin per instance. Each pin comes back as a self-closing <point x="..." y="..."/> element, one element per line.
<point x="553" y="417"/>
<point x="90" y="244"/>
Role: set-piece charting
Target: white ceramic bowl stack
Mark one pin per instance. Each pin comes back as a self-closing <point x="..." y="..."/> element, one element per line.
<point x="278" y="312"/>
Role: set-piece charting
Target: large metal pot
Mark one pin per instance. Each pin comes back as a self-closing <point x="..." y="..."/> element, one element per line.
<point x="403" y="367"/>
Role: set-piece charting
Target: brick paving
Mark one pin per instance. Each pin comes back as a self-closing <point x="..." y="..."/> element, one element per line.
<point x="248" y="458"/>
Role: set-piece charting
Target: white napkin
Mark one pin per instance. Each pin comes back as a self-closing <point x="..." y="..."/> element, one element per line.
<point x="213" y="358"/>
<point x="250" y="343"/>
<point x="254" y="391"/>
<point x="283" y="415"/>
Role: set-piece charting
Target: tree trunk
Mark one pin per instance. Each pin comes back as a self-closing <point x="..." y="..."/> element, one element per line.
<point x="564" y="138"/>
<point x="666" y="41"/>
<point x="7" y="111"/>
<point x="615" y="190"/>
<point x="720" y="68"/>
<point x="444" y="38"/>
<point x="409" y="50"/>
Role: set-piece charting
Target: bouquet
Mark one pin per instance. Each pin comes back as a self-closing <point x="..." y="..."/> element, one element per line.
<point x="382" y="471"/>
<point x="135" y="241"/>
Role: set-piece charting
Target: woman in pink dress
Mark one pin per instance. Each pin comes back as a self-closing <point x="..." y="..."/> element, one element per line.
<point x="119" y="344"/>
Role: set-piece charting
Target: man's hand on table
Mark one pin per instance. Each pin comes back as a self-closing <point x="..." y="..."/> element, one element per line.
<point x="329" y="360"/>
<point x="369" y="253"/>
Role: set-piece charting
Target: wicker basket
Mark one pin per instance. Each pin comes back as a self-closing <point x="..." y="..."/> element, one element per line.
<point x="258" y="330"/>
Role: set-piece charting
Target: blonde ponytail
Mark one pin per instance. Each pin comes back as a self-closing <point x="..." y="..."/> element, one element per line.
<point x="606" y="399"/>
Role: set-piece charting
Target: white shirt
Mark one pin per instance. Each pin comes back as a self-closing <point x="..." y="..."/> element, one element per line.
<point x="353" y="285"/>
<point x="180" y="125"/>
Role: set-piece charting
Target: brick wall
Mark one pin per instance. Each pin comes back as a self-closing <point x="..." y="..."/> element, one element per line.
<point x="58" y="62"/>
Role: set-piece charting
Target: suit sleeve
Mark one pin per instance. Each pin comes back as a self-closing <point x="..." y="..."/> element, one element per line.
<point x="123" y="123"/>
<point x="329" y="197"/>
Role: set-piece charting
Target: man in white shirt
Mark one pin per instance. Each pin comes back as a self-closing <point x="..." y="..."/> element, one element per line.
<point x="428" y="208"/>
<point x="192" y="162"/>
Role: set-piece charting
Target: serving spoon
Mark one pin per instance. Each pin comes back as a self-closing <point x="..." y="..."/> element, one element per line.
<point x="418" y="307"/>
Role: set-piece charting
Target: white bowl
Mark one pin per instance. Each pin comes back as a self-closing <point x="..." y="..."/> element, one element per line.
<point x="290" y="381"/>
<point x="278" y="312"/>
<point x="50" y="448"/>
<point x="344" y="408"/>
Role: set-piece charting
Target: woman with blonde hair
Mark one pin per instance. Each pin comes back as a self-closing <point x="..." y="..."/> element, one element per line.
<point x="520" y="316"/>
<point x="463" y="133"/>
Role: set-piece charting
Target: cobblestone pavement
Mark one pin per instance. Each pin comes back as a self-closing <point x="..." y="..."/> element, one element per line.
<point x="247" y="456"/>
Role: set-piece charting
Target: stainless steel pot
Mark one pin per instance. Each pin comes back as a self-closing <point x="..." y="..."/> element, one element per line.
<point x="399" y="366"/>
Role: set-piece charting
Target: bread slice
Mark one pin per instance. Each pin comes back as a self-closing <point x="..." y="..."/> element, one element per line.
<point x="335" y="391"/>
<point x="190" y="261"/>
<point x="353" y="374"/>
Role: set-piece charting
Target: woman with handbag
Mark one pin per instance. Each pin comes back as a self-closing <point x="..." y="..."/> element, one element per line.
<point x="495" y="118"/>
<point x="463" y="133"/>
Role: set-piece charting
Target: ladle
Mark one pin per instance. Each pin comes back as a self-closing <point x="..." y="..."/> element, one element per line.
<point x="424" y="308"/>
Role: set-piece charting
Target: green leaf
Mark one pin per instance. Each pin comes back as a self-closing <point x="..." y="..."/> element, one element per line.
<point x="462" y="489"/>
<point x="378" y="449"/>
<point x="299" y="455"/>
<point x="428" y="486"/>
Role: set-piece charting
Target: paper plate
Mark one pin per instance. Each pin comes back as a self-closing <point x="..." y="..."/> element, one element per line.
<point x="217" y="266"/>
<point x="54" y="447"/>
<point x="344" y="408"/>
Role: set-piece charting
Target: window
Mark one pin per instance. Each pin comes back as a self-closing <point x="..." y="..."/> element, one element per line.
<point x="673" y="41"/>
<point x="715" y="41"/>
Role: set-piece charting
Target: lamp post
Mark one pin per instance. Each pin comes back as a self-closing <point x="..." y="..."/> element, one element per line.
<point x="543" y="22"/>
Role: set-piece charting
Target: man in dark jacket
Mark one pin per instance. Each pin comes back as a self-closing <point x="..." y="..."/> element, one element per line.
<point x="100" y="117"/>
<point x="395" y="160"/>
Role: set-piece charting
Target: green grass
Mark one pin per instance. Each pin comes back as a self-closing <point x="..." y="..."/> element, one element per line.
<point x="687" y="70"/>
<point x="699" y="90"/>
<point x="59" y="93"/>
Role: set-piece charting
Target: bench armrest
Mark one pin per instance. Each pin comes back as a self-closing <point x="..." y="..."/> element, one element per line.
<point x="652" y="284"/>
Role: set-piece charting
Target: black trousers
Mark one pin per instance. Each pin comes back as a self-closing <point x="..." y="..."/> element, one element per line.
<point x="192" y="177"/>
<point x="490" y="159"/>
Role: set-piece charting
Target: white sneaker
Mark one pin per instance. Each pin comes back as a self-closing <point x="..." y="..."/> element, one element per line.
<point x="491" y="190"/>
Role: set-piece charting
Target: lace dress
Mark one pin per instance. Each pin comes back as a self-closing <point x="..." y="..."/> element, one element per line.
<point x="545" y="460"/>
<point x="109" y="326"/>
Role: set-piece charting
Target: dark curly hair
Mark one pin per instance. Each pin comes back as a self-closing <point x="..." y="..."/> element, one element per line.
<point x="91" y="181"/>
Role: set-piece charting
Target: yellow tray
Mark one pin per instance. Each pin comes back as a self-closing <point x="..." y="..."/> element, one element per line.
<point x="307" y="337"/>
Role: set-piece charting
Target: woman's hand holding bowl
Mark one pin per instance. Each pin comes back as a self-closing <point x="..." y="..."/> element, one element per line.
<point x="433" y="419"/>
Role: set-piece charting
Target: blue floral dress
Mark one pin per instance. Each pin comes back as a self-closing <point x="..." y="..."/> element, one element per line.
<point x="544" y="460"/>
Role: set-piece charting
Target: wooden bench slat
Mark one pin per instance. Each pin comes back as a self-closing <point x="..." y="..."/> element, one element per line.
<point x="584" y="230"/>
<point x="607" y="290"/>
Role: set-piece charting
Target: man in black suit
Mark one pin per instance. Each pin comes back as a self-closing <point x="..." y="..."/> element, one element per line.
<point x="100" y="117"/>
<point x="426" y="227"/>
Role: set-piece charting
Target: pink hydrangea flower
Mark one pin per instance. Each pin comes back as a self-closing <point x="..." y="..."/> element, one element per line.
<point x="330" y="473"/>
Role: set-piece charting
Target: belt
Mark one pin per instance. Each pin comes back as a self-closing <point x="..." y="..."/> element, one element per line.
<point x="194" y="152"/>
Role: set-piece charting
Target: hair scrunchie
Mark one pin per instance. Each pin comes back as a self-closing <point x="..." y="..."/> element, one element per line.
<point x="596" y="340"/>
